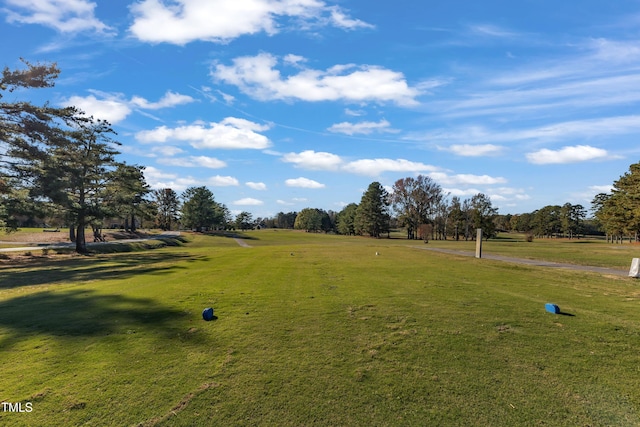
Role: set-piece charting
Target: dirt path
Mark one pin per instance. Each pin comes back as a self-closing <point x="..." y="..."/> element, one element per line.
<point x="535" y="262"/>
<point x="241" y="242"/>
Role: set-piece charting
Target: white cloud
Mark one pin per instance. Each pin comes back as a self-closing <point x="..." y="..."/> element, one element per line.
<point x="158" y="179"/>
<point x="303" y="183"/>
<point x="208" y="162"/>
<point x="248" y="201"/>
<point x="472" y="150"/>
<point x="575" y="154"/>
<point x="231" y="133"/>
<point x="257" y="77"/>
<point x="113" y="107"/>
<point x="260" y="186"/>
<point x="245" y="124"/>
<point x="310" y="159"/>
<point x="170" y="99"/>
<point x="354" y="113"/>
<point x="492" y="31"/>
<point x="465" y="179"/>
<point x="167" y="151"/>
<point x="112" y="110"/>
<point x="223" y="181"/>
<point x="362" y="128"/>
<point x="292" y="59"/>
<point x="601" y="188"/>
<point x="508" y="195"/>
<point x="374" y="167"/>
<point x="66" y="16"/>
<point x="615" y="51"/>
<point x="461" y="192"/>
<point x="194" y="161"/>
<point x="340" y="20"/>
<point x="220" y="21"/>
<point x="588" y="128"/>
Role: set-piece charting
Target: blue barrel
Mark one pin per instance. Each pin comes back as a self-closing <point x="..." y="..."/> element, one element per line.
<point x="207" y="314"/>
<point x="552" y="308"/>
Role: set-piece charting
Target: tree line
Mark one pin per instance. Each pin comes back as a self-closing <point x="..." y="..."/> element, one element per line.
<point x="568" y="221"/>
<point x="417" y="204"/>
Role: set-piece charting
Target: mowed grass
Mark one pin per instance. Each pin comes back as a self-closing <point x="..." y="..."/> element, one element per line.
<point x="315" y="330"/>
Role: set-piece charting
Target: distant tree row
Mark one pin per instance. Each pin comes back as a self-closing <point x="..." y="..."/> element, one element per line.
<point x="417" y="204"/>
<point x="616" y="214"/>
<point x="196" y="209"/>
<point x="550" y="221"/>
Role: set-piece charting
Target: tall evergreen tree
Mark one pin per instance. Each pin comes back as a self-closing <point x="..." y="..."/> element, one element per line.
<point x="346" y="220"/>
<point x="456" y="217"/>
<point x="126" y="194"/>
<point x="372" y="214"/>
<point x="25" y="131"/>
<point x="200" y="211"/>
<point x="167" y="208"/>
<point x="619" y="212"/>
<point x="244" y="221"/>
<point x="76" y="173"/>
<point x="286" y="220"/>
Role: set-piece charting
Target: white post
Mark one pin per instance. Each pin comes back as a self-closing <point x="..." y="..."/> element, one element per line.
<point x="634" y="271"/>
<point x="479" y="243"/>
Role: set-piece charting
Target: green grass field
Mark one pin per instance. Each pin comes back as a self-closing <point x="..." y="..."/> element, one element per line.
<point x="316" y="329"/>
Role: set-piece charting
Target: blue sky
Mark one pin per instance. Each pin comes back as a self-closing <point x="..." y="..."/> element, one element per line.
<point x="278" y="105"/>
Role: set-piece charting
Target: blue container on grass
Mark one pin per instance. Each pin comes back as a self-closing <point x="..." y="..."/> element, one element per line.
<point x="207" y="314"/>
<point x="552" y="308"/>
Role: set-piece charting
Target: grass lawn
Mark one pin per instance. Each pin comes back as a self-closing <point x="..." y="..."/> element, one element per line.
<point x="315" y="330"/>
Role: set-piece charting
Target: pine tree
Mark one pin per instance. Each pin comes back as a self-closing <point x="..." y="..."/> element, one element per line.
<point x="346" y="220"/>
<point x="167" y="207"/>
<point x="76" y="172"/>
<point x="200" y="211"/>
<point x="129" y="188"/>
<point x="372" y="214"/>
<point x="619" y="212"/>
<point x="25" y="130"/>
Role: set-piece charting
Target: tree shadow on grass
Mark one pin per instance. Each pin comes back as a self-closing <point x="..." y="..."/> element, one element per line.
<point x="79" y="269"/>
<point x="83" y="313"/>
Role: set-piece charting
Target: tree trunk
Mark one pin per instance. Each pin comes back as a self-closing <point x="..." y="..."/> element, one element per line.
<point x="72" y="233"/>
<point x="133" y="223"/>
<point x="81" y="246"/>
